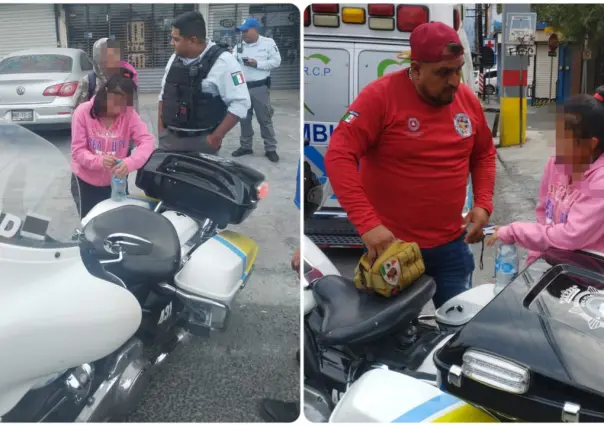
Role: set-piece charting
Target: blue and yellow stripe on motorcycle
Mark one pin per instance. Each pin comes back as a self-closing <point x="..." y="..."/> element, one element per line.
<point x="445" y="408"/>
<point x="242" y="246"/>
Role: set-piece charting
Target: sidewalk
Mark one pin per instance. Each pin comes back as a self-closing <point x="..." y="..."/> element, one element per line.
<point x="519" y="171"/>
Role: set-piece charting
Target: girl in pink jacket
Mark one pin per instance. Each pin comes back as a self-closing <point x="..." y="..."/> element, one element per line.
<point x="101" y="130"/>
<point x="570" y="211"/>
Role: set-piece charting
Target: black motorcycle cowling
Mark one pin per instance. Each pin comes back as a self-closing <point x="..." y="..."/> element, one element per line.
<point x="202" y="186"/>
<point x="534" y="353"/>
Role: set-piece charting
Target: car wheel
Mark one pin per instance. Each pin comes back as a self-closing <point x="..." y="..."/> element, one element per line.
<point x="490" y="89"/>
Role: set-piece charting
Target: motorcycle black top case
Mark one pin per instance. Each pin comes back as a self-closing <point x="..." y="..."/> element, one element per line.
<point x="535" y="353"/>
<point x="201" y="186"/>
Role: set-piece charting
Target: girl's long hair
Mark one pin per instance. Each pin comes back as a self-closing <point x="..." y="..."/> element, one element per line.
<point x="121" y="83"/>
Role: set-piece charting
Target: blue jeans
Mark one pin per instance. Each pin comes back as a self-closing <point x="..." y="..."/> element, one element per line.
<point x="451" y="265"/>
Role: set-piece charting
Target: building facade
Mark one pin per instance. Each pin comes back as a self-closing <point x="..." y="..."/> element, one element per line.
<point x="143" y="31"/>
<point x="280" y="22"/>
<point x="41" y="22"/>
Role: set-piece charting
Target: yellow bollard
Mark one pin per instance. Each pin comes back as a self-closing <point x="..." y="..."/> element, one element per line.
<point x="510" y="121"/>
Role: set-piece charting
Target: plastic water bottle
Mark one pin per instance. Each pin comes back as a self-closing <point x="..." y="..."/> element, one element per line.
<point x="118" y="187"/>
<point x="506" y="266"/>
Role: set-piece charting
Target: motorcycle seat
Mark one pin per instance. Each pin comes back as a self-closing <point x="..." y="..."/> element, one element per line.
<point x="354" y="317"/>
<point x="158" y="265"/>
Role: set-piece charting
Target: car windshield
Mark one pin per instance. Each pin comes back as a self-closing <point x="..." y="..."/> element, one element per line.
<point x="30" y="64"/>
<point x="37" y="208"/>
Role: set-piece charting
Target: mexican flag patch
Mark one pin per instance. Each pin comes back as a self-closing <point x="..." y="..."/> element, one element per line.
<point x="350" y="116"/>
<point x="237" y="78"/>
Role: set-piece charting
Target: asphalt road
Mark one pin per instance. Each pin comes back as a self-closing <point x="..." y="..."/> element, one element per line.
<point x="222" y="379"/>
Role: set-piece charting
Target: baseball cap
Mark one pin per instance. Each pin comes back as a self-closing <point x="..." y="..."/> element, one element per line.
<point x="428" y="42"/>
<point x="249" y="23"/>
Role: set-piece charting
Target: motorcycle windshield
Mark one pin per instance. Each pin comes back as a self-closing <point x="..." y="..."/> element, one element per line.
<point x="37" y="207"/>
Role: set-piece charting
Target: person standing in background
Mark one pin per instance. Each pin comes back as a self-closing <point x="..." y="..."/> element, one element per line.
<point x="106" y="56"/>
<point x="258" y="56"/>
<point x="203" y="92"/>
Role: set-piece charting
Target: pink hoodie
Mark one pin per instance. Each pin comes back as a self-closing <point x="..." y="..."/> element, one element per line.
<point x="569" y="217"/>
<point x="90" y="141"/>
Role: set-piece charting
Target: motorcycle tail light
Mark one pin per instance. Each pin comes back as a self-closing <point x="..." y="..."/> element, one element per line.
<point x="310" y="274"/>
<point x="262" y="190"/>
<point x="495" y="372"/>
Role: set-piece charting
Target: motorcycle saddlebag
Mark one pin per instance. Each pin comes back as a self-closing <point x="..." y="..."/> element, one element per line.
<point x="202" y="186"/>
<point x="534" y="354"/>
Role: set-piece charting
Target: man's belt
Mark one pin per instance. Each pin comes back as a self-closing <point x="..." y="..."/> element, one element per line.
<point x="259" y="83"/>
<point x="189" y="133"/>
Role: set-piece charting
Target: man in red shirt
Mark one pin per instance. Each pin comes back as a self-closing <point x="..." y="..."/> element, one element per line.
<point x="417" y="134"/>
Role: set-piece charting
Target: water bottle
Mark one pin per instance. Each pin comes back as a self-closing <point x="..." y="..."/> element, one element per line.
<point x="118" y="187"/>
<point x="506" y="265"/>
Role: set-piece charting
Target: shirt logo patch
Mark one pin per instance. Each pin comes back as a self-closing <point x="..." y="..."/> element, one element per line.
<point x="350" y="116"/>
<point x="462" y="125"/>
<point x="237" y="78"/>
<point x="413" y="124"/>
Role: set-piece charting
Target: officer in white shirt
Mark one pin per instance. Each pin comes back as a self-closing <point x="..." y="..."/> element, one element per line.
<point x="258" y="55"/>
<point x="203" y="93"/>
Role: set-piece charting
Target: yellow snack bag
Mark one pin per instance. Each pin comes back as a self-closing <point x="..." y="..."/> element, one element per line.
<point x="397" y="268"/>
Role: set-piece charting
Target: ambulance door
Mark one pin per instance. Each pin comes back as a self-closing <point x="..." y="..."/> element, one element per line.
<point x="376" y="60"/>
<point x="327" y="95"/>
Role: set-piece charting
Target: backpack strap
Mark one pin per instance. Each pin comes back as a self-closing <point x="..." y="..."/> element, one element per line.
<point x="91" y="84"/>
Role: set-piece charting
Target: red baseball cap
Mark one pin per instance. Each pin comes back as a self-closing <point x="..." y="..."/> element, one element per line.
<point x="428" y="42"/>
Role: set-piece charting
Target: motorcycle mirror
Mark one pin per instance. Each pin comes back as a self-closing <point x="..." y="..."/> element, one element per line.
<point x="316" y="192"/>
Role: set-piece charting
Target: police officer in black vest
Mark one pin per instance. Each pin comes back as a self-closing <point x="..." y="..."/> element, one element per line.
<point x="203" y="95"/>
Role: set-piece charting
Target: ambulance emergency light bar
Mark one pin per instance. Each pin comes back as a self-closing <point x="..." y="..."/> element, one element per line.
<point x="382" y="17"/>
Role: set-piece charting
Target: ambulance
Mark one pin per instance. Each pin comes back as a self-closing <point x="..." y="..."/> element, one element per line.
<point x="346" y="47"/>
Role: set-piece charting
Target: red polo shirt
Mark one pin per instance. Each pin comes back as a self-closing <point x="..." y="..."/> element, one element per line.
<point x="414" y="161"/>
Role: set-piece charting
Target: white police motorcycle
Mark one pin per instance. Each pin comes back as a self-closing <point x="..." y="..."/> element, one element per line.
<point x="89" y="310"/>
<point x="528" y="353"/>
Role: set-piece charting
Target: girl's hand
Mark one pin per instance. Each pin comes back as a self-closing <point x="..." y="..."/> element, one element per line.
<point x="492" y="239"/>
<point x="120" y="170"/>
<point x="108" y="161"/>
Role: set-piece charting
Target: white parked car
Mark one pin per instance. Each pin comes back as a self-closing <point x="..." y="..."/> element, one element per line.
<point x="491" y="81"/>
<point x="37" y="86"/>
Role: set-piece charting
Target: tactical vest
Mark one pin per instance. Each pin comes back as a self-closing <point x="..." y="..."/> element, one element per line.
<point x="184" y="105"/>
